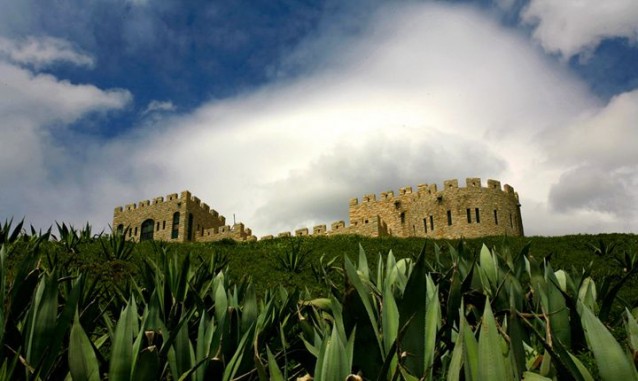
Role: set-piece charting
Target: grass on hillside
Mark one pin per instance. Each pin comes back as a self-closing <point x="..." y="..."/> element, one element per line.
<point x="260" y="260"/>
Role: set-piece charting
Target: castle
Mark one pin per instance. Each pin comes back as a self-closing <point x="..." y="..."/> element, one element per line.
<point x="452" y="212"/>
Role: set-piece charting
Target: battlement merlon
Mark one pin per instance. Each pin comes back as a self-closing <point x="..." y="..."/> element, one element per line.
<point x="473" y="182"/>
<point x="301" y="232"/>
<point x="451" y="184"/>
<point x="185" y="195"/>
<point x="405" y="190"/>
<point x="319" y="230"/>
<point x="387" y="196"/>
<point x="369" y="198"/>
<point x="337" y="225"/>
<point x="494" y="184"/>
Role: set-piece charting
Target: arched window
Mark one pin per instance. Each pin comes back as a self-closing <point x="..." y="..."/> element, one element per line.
<point x="189" y="228"/>
<point x="175" y="230"/>
<point x="147" y="230"/>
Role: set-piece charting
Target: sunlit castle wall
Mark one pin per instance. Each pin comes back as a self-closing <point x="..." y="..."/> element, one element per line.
<point x="176" y="218"/>
<point x="452" y="212"/>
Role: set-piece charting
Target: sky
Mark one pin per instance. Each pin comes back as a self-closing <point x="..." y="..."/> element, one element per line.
<point x="279" y="112"/>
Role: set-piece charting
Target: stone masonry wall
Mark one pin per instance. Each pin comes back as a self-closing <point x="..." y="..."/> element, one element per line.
<point x="452" y="212"/>
<point x="206" y="223"/>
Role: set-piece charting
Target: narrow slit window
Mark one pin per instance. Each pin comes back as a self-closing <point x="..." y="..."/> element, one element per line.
<point x="449" y="217"/>
<point x="189" y="227"/>
<point x="425" y="225"/>
<point x="175" y="228"/>
<point x="431" y="223"/>
<point x="478" y="215"/>
<point x="163" y="224"/>
<point x="469" y="215"/>
<point x="511" y="221"/>
<point x="495" y="217"/>
<point x="403" y="217"/>
<point x="158" y="225"/>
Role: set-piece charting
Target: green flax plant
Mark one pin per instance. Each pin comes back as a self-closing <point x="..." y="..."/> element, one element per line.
<point x="68" y="237"/>
<point x="38" y="311"/>
<point x="484" y="314"/>
<point x="294" y="257"/>
<point x="116" y="246"/>
<point x="201" y="325"/>
<point x="8" y="235"/>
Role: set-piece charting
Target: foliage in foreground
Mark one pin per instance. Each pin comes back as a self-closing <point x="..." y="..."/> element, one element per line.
<point x="465" y="315"/>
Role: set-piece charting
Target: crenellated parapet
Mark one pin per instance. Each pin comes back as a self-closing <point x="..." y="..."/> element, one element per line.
<point x="427" y="210"/>
<point x="184" y="196"/>
<point x="373" y="227"/>
<point x="471" y="183"/>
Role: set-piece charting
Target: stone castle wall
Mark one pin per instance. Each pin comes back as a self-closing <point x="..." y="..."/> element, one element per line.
<point x="196" y="220"/>
<point x="451" y="212"/>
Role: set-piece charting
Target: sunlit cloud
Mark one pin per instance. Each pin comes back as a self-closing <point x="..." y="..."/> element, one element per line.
<point x="573" y="27"/>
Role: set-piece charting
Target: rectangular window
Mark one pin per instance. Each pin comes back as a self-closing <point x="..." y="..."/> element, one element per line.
<point x="495" y="217"/>
<point x="511" y="221"/>
<point x="469" y="215"/>
<point x="449" y="217"/>
<point x="135" y="234"/>
<point x="431" y="223"/>
<point x="163" y="224"/>
<point x="425" y="225"/>
<point x="157" y="225"/>
<point x="478" y="216"/>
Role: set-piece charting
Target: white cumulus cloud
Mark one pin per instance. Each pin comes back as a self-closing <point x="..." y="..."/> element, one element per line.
<point x="421" y="93"/>
<point x="37" y="152"/>
<point x="571" y="27"/>
<point x="425" y="93"/>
